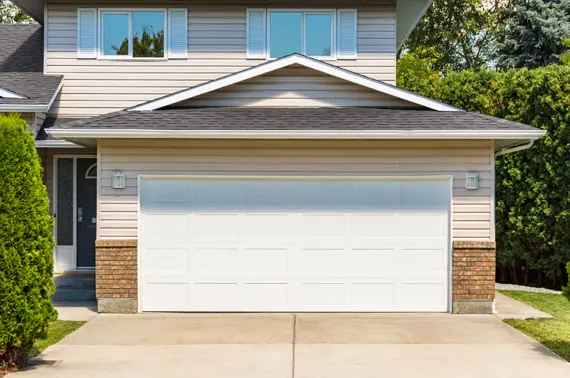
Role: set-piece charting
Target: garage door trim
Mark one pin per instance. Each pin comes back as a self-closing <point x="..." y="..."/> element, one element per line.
<point x="226" y="176"/>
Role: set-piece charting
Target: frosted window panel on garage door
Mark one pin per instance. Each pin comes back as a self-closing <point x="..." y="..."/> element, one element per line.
<point x="165" y="195"/>
<point x="426" y="194"/>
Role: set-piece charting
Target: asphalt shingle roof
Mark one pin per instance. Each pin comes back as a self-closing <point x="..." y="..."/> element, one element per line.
<point x="21" y="65"/>
<point x="228" y="119"/>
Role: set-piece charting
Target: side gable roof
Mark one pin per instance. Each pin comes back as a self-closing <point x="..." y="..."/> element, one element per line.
<point x="290" y="60"/>
<point x="23" y="86"/>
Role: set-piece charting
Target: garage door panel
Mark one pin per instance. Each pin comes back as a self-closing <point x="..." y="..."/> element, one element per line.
<point x="163" y="296"/>
<point x="316" y="226"/>
<point x="259" y="226"/>
<point x="429" y="296"/>
<point x="165" y="227"/>
<point x="164" y="261"/>
<point x="214" y="296"/>
<point x="423" y="225"/>
<point x="421" y="260"/>
<point x="213" y="226"/>
<point x="215" y="260"/>
<point x="369" y="260"/>
<point x="371" y="225"/>
<point x="265" y="260"/>
<point x="294" y="245"/>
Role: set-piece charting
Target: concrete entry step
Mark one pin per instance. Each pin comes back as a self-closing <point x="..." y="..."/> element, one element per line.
<point x="74" y="287"/>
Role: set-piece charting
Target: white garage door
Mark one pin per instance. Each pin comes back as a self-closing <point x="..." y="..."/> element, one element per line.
<point x="294" y="245"/>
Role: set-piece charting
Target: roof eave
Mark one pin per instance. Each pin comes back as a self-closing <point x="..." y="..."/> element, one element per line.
<point x="14" y="108"/>
<point x="293" y="134"/>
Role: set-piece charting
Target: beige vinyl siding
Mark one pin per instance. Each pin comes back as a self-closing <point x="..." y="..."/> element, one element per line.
<point x="472" y="209"/>
<point x="296" y="86"/>
<point x="216" y="48"/>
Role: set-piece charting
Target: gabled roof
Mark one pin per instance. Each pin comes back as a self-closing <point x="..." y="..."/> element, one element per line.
<point x="37" y="91"/>
<point x="295" y="59"/>
<point x="23" y="86"/>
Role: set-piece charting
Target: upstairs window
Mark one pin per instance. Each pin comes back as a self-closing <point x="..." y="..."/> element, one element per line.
<point x="323" y="34"/>
<point x="307" y="33"/>
<point x="136" y="33"/>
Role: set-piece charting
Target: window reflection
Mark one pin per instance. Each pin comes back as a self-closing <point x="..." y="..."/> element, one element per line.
<point x="115" y="34"/>
<point x="148" y="34"/>
<point x="286" y="31"/>
<point x="318" y="38"/>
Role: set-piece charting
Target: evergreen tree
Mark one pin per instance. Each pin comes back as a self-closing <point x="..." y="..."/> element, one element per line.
<point x="535" y="34"/>
<point x="26" y="242"/>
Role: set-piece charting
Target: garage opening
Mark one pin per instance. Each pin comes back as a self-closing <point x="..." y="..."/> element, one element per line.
<point x="254" y="244"/>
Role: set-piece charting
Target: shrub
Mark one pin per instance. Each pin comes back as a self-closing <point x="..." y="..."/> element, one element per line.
<point x="532" y="186"/>
<point x="26" y="242"/>
<point x="566" y="290"/>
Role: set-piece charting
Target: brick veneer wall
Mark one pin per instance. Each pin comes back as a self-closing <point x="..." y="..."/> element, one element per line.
<point x="116" y="275"/>
<point x="473" y="276"/>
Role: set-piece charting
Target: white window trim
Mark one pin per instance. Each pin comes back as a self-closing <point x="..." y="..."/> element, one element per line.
<point x="304" y="12"/>
<point x="129" y="12"/>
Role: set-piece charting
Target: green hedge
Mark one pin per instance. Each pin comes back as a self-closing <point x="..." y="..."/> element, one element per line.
<point x="26" y="261"/>
<point x="566" y="290"/>
<point x="533" y="186"/>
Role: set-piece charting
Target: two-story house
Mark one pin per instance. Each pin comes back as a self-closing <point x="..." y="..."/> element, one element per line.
<point x="256" y="156"/>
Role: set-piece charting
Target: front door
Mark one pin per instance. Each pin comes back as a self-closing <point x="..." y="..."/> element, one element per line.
<point x="86" y="212"/>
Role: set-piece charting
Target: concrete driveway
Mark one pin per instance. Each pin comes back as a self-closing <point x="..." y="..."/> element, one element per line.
<point x="301" y="346"/>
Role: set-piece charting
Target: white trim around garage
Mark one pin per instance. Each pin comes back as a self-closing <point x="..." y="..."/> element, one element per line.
<point x="449" y="178"/>
<point x="285" y="62"/>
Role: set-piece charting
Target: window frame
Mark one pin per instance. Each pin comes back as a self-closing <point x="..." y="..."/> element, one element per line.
<point x="129" y="11"/>
<point x="304" y="13"/>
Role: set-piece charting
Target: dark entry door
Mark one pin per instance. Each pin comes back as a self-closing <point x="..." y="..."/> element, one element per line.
<point x="86" y="212"/>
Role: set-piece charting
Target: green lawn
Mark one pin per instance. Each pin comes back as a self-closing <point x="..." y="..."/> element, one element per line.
<point x="553" y="333"/>
<point x="57" y="331"/>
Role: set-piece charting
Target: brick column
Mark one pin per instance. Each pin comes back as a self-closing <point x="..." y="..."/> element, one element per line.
<point x="473" y="277"/>
<point x="116" y="276"/>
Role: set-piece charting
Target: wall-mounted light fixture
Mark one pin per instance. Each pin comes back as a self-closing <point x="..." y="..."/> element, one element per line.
<point x="472" y="181"/>
<point x="119" y="180"/>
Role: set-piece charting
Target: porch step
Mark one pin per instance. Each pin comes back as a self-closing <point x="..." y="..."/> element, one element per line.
<point x="74" y="287"/>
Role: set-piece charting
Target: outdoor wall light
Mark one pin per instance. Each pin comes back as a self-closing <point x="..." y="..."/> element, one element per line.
<point x="119" y="180"/>
<point x="472" y="181"/>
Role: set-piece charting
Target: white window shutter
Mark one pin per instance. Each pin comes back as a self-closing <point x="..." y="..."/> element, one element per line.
<point x="177" y="33"/>
<point x="256" y="34"/>
<point x="87" y="33"/>
<point x="347" y="34"/>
